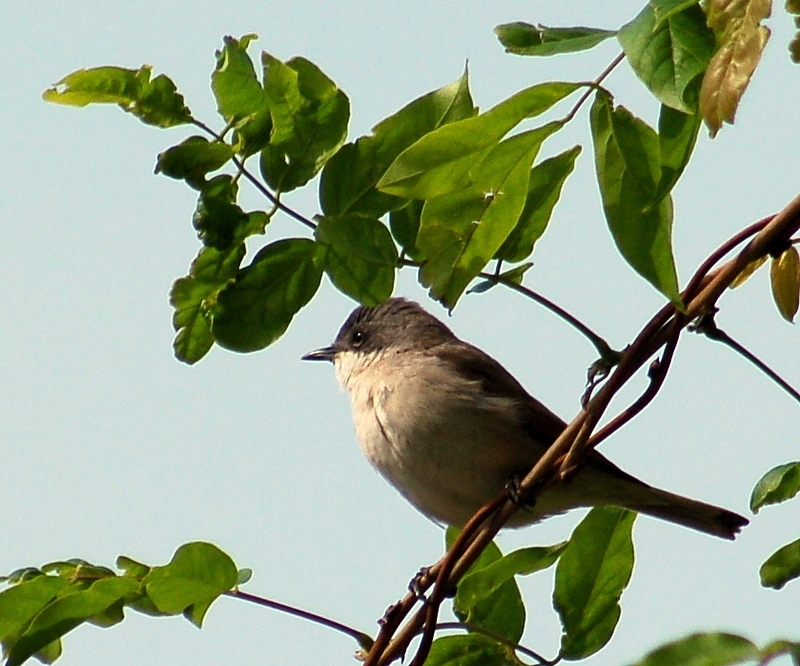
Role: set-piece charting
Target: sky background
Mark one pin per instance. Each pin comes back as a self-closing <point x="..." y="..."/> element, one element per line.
<point x="110" y="446"/>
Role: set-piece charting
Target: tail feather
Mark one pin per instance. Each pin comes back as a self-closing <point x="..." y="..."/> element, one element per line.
<point x="700" y="516"/>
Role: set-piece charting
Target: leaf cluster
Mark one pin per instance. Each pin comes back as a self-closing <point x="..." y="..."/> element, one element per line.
<point x="43" y="604"/>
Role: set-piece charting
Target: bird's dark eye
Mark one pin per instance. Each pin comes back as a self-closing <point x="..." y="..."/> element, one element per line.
<point x="358" y="338"/>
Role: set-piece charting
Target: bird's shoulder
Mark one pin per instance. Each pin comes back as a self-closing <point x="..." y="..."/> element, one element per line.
<point x="476" y="365"/>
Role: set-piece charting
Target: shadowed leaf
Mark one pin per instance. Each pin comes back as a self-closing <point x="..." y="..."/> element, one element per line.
<point x="591" y="574"/>
<point x="539" y="40"/>
<point x="712" y="649"/>
<point x="668" y="55"/>
<point x="360" y="256"/>
<point x="782" y="566"/>
<point x="256" y="308"/>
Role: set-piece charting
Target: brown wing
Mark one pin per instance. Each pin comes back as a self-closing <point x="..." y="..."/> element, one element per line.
<point x="542" y="425"/>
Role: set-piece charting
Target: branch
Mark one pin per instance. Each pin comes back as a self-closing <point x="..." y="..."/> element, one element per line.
<point x="364" y="640"/>
<point x="566" y="453"/>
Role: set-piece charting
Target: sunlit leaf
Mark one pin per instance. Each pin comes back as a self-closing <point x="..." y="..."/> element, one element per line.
<point x="467" y="650"/>
<point x="234" y="82"/>
<point x="485" y="581"/>
<point x="591" y="574"/>
<point x="539" y="40"/>
<point x="360" y="256"/>
<point x="782" y="566"/>
<point x="460" y="232"/>
<point x="442" y="162"/>
<point x="500" y="609"/>
<point x="711" y="649"/>
<point x="748" y="270"/>
<point x="628" y="166"/>
<point x="348" y="180"/>
<point x="197" y="574"/>
<point x="256" y="308"/>
<point x="309" y="121"/>
<point x="785" y="281"/>
<point x="22" y="602"/>
<point x="65" y="613"/>
<point x="664" y="9"/>
<point x="669" y="55"/>
<point x="544" y="190"/>
<point x="778" y="485"/>
<point x="194" y="296"/>
<point x="155" y="102"/>
<point x="742" y="38"/>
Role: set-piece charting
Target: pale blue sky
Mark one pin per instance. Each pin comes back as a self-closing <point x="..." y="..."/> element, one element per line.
<point x="110" y="446"/>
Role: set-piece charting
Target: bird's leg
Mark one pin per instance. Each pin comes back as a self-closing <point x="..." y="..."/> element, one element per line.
<point x="513" y="491"/>
<point x="415" y="585"/>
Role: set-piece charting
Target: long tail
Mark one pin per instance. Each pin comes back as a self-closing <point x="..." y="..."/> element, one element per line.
<point x="684" y="511"/>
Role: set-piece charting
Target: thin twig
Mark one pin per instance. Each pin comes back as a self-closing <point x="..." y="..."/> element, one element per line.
<point x="701" y="299"/>
<point x="364" y="640"/>
<point x="595" y="84"/>
<point x="256" y="182"/>
<point x="708" y="327"/>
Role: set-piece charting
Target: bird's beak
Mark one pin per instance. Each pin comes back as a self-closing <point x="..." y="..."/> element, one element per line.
<point x="324" y="354"/>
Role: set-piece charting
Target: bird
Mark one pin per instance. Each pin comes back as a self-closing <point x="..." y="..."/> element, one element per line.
<point x="449" y="427"/>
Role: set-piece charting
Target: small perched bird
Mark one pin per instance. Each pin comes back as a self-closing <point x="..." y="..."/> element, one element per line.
<point x="448" y="426"/>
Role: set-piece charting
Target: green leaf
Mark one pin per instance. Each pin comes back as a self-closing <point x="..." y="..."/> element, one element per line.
<point x="501" y="610"/>
<point x="65" y="613"/>
<point x="544" y="190"/>
<point x="741" y="39"/>
<point x="469" y="650"/>
<point x="243" y="576"/>
<point x="22" y="602"/>
<point x="253" y="311"/>
<point x="309" y="121"/>
<point x="220" y="222"/>
<point x="155" y="102"/>
<point x="490" y="598"/>
<point x="194" y="297"/>
<point x="785" y="282"/>
<point x="677" y="135"/>
<point x="192" y="159"/>
<point x="591" y="574"/>
<point x="664" y="9"/>
<point x="132" y="568"/>
<point x="234" y="82"/>
<point x="669" y="55"/>
<point x="50" y="652"/>
<point x="404" y="224"/>
<point x="539" y="40"/>
<point x="360" y="256"/>
<point x="349" y="178"/>
<point x="460" y="232"/>
<point x="628" y="167"/>
<point x="711" y="649"/>
<point x="485" y="581"/>
<point x="197" y="574"/>
<point x="441" y="162"/>
<point x="782" y="566"/>
<point x="778" y="485"/>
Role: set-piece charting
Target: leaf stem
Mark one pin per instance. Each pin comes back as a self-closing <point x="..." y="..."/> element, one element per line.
<point x="595" y="84"/>
<point x="364" y="641"/>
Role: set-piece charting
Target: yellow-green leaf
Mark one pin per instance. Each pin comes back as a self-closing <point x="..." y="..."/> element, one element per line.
<point x="751" y="268"/>
<point x="785" y="279"/>
<point x="737" y="25"/>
